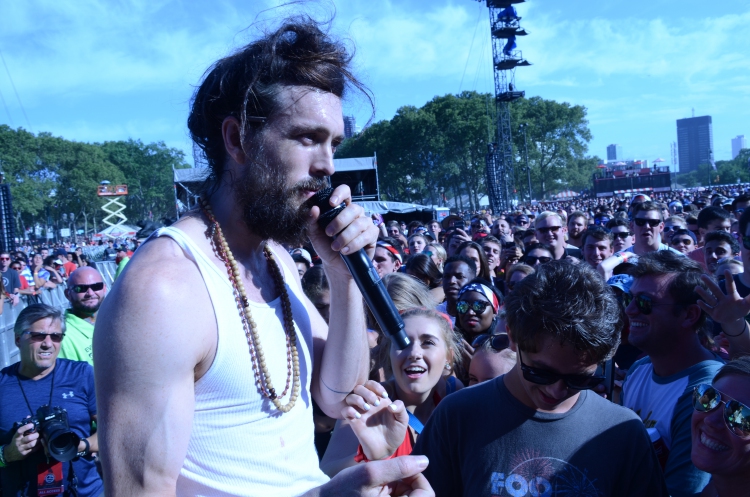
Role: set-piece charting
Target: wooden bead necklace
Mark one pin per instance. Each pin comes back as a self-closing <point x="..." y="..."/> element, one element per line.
<point x="262" y="377"/>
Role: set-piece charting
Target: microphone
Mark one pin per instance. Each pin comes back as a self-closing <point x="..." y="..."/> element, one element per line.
<point x="366" y="277"/>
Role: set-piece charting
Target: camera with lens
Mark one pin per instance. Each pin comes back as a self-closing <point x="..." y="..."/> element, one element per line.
<point x="52" y="425"/>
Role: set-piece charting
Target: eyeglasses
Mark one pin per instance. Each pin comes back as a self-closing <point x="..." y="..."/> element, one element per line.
<point x="497" y="342"/>
<point x="531" y="260"/>
<point x="672" y="228"/>
<point x="641" y="221"/>
<point x="478" y="306"/>
<point x="622" y="235"/>
<point x="736" y="414"/>
<point x="37" y="336"/>
<point x="547" y="229"/>
<point x="745" y="241"/>
<point x="546" y="377"/>
<point x="644" y="303"/>
<point x="85" y="288"/>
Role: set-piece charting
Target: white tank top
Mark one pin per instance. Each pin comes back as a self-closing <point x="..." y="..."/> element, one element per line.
<point x="240" y="443"/>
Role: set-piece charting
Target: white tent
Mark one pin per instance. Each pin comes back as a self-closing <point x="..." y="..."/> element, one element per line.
<point x="117" y="231"/>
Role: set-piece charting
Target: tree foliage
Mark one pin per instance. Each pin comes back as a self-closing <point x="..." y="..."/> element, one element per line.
<point x="49" y="176"/>
<point x="437" y="151"/>
<point x="727" y="171"/>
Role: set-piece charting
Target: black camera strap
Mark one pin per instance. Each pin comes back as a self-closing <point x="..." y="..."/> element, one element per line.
<point x="51" y="387"/>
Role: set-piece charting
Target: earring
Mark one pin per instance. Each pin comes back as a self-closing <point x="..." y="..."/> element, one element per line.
<point x="447" y="367"/>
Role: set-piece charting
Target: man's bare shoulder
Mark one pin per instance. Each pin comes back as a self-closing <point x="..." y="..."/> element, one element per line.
<point x="162" y="289"/>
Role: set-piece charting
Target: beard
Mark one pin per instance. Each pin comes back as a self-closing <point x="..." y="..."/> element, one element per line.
<point x="270" y="208"/>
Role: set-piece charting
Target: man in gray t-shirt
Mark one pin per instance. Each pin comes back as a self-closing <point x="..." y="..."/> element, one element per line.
<point x="537" y="430"/>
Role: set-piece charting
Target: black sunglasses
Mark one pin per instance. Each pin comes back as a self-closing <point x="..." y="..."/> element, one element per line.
<point x="38" y="336"/>
<point x="644" y="303"/>
<point x="497" y="342"/>
<point x="547" y="229"/>
<point x="478" y="306"/>
<point x="573" y="381"/>
<point x="736" y="414"/>
<point x="85" y="288"/>
<point x="531" y="260"/>
<point x="623" y="235"/>
<point x="640" y="221"/>
<point x="684" y="241"/>
<point x="672" y="228"/>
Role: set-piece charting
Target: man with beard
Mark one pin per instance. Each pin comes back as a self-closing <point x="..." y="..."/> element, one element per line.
<point x="577" y="225"/>
<point x="213" y="352"/>
<point x="85" y="292"/>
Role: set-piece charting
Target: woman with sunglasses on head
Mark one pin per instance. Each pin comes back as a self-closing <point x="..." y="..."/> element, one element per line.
<point x="388" y="417"/>
<point x="720" y="430"/>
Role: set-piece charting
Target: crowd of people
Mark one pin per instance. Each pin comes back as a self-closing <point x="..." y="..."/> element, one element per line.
<point x="591" y="347"/>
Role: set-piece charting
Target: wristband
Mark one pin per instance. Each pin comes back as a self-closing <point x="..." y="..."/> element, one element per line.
<point x="744" y="327"/>
<point x="86" y="449"/>
<point x="3" y="464"/>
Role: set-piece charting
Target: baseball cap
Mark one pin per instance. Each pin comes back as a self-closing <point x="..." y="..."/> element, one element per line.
<point x="621" y="281"/>
<point x="303" y="254"/>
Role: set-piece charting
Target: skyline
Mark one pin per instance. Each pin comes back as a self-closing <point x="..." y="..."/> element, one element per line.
<point x="97" y="71"/>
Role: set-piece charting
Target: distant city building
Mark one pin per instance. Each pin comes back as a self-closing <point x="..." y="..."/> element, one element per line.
<point x="614" y="152"/>
<point x="738" y="144"/>
<point x="695" y="142"/>
<point x="350" y="126"/>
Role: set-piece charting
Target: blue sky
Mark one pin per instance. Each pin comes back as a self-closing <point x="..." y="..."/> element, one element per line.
<point x="96" y="70"/>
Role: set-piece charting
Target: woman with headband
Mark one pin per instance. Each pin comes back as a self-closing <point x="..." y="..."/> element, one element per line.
<point x="476" y="314"/>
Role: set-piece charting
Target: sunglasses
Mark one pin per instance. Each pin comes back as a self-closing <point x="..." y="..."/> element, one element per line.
<point x="522" y="222"/>
<point x="644" y="303"/>
<point x="640" y="221"/>
<point x="85" y="288"/>
<point x="736" y="415"/>
<point x="4" y="258"/>
<point x="531" y="260"/>
<point x="37" y="336"/>
<point x="545" y="377"/>
<point x="547" y="229"/>
<point x="622" y="235"/>
<point x="497" y="342"/>
<point x="478" y="306"/>
<point x="683" y="241"/>
<point x="672" y="228"/>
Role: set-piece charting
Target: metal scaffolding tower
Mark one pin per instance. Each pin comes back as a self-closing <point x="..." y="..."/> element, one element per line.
<point x="505" y="27"/>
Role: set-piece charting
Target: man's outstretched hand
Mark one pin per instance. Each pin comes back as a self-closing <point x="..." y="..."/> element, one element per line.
<point x="394" y="477"/>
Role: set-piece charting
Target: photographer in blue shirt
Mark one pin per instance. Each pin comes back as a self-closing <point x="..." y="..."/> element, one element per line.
<point x="46" y="413"/>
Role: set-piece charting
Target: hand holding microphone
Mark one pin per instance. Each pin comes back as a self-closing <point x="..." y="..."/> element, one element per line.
<point x="366" y="277"/>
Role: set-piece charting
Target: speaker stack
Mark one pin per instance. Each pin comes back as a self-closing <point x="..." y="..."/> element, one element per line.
<point x="7" y="224"/>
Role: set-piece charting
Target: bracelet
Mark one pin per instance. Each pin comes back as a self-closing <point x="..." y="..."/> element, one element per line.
<point x="86" y="449"/>
<point x="3" y="464"/>
<point x="738" y="334"/>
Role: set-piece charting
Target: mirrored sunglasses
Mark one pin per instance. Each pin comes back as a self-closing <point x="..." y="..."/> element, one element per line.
<point x="680" y="240"/>
<point x="478" y="306"/>
<point x="736" y="414"/>
<point x="644" y="303"/>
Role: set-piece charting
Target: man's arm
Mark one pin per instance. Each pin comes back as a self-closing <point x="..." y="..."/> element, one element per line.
<point x="342" y="353"/>
<point x="147" y="355"/>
